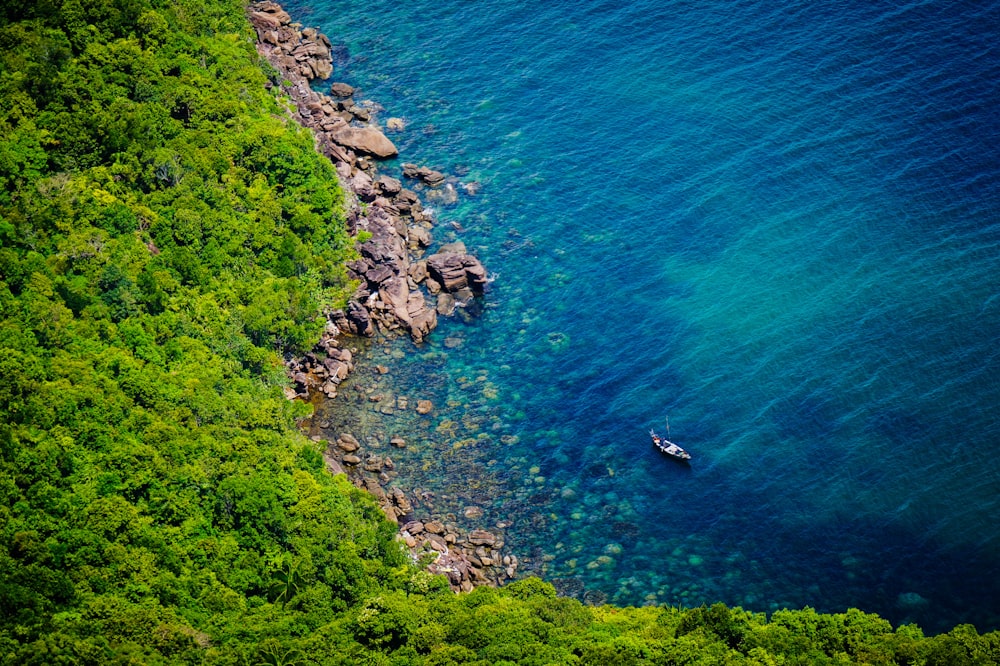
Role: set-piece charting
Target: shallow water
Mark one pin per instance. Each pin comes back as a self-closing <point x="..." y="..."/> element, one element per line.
<point x="778" y="224"/>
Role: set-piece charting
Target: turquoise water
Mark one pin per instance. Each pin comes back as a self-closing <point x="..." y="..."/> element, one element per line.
<point x="778" y="223"/>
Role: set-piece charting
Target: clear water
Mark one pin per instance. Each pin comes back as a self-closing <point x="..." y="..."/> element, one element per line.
<point x="778" y="223"/>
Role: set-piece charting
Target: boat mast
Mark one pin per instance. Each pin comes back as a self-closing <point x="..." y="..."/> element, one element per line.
<point x="667" y="419"/>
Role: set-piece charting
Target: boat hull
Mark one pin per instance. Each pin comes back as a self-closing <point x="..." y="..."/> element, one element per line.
<point x="669" y="448"/>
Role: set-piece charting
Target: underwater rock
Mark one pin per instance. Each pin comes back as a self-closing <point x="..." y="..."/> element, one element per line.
<point x="424" y="406"/>
<point x="482" y="538"/>
<point x="446" y="195"/>
<point x="911" y="600"/>
<point x="446" y="305"/>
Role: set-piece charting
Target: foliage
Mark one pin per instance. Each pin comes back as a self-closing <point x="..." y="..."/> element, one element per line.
<point x="165" y="235"/>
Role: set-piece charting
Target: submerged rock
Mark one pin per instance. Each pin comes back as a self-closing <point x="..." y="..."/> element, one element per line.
<point x="482" y="538"/>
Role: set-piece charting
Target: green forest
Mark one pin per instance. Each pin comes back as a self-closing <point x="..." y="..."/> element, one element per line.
<point x="167" y="237"/>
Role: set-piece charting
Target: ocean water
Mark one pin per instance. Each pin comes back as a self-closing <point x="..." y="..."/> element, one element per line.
<point x="777" y="223"/>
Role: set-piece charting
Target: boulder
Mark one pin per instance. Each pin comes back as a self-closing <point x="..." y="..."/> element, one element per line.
<point x="406" y="201"/>
<point x="347" y="447"/>
<point x="418" y="271"/>
<point x="395" y="294"/>
<point x="264" y="21"/>
<point x="374" y="489"/>
<point x="414" y="527"/>
<point x="422" y="323"/>
<point x="445" y="304"/>
<point x="435" y="527"/>
<point x="365" y="140"/>
<point x="418" y="237"/>
<point x="424" y="174"/>
<point x="339" y="89"/>
<point x="332" y="466"/>
<point x="389" y="186"/>
<point x="403" y="504"/>
<point x="321" y="69"/>
<point x="457" y="271"/>
<point x="358" y="319"/>
<point x="378" y="275"/>
<point x="362" y="185"/>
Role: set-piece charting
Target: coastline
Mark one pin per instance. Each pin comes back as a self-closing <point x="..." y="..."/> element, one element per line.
<point x="403" y="288"/>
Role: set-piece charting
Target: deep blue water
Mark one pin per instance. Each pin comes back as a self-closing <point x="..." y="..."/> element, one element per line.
<point x="778" y="223"/>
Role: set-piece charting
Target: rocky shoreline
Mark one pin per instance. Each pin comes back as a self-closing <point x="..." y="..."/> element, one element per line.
<point x="402" y="289"/>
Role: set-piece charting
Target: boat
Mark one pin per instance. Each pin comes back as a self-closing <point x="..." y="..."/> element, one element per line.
<point x="668" y="447"/>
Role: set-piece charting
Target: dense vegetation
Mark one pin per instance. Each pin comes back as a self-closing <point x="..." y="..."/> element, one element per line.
<point x="165" y="236"/>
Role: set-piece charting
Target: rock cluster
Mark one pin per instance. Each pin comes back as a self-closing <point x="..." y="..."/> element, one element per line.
<point x="467" y="558"/>
<point x="391" y="297"/>
<point x="399" y="292"/>
<point x="306" y="52"/>
<point x="321" y="370"/>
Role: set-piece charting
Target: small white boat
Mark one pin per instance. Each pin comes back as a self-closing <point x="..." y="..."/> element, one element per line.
<point x="668" y="447"/>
